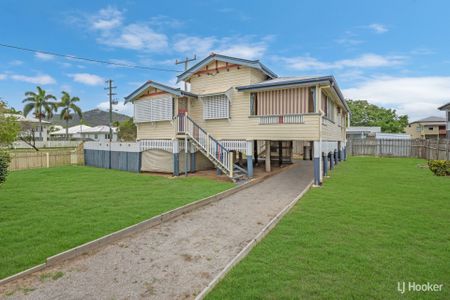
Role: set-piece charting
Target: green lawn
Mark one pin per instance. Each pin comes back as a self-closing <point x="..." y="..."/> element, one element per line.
<point x="46" y="211"/>
<point x="375" y="222"/>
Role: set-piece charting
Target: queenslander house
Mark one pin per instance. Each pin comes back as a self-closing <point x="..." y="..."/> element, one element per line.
<point x="234" y="108"/>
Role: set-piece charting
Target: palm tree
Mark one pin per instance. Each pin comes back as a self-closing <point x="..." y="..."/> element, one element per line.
<point x="40" y="104"/>
<point x="69" y="106"/>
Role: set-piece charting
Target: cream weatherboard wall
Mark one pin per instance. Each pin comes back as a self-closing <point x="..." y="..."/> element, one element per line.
<point x="241" y="125"/>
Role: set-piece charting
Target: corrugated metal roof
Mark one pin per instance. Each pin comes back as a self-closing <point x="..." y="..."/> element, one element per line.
<point x="100" y="128"/>
<point x="392" y="136"/>
<point x="72" y="130"/>
<point x="369" y="129"/>
<point x="429" y="119"/>
<point x="293" y="81"/>
<point x="284" y="81"/>
<point x="22" y="118"/>
<point x="445" y="106"/>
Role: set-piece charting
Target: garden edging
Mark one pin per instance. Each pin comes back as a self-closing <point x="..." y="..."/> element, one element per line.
<point x="146" y="224"/>
<point x="243" y="253"/>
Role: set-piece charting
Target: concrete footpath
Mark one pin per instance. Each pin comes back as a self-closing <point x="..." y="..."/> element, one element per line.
<point x="175" y="260"/>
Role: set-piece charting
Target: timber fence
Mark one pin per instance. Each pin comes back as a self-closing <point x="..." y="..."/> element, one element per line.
<point x="417" y="148"/>
<point x="22" y="160"/>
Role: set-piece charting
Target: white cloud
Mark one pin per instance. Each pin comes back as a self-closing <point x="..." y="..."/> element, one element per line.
<point x="107" y="18"/>
<point x="193" y="44"/>
<point x="44" y="56"/>
<point x="112" y="30"/>
<point x="136" y="37"/>
<point x="162" y="21"/>
<point x="244" y="51"/>
<point x="378" y="28"/>
<point x="38" y="79"/>
<point x="121" y="108"/>
<point x="368" y="60"/>
<point x="3" y="76"/>
<point x="86" y="78"/>
<point x="240" y="46"/>
<point x="416" y="96"/>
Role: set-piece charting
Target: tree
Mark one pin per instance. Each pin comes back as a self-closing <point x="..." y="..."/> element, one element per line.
<point x="366" y="114"/>
<point x="40" y="104"/>
<point x="127" y="131"/>
<point x="9" y="129"/>
<point x="69" y="106"/>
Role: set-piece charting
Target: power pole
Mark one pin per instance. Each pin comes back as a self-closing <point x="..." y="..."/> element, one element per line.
<point x="110" y="88"/>
<point x="186" y="64"/>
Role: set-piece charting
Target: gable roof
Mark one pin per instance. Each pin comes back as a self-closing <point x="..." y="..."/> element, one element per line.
<point x="72" y="130"/>
<point x="285" y="82"/>
<point x="229" y="59"/>
<point x="100" y="129"/>
<point x="432" y="119"/>
<point x="444" y="107"/>
<point x="159" y="86"/>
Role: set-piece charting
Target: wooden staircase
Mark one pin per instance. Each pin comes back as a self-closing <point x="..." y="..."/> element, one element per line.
<point x="219" y="155"/>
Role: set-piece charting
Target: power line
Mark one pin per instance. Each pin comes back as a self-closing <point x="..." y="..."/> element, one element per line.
<point x="88" y="59"/>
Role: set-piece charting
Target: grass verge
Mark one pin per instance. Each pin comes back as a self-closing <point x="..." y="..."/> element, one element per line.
<point x="374" y="223"/>
<point x="46" y="211"/>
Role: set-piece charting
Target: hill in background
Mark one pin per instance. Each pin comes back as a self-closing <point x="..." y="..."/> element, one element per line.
<point x="94" y="117"/>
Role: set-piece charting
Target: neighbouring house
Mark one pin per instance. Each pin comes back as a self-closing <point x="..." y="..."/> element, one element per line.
<point x="31" y="129"/>
<point x="446" y="109"/>
<point x="86" y="133"/>
<point x="361" y="132"/>
<point x="99" y="133"/>
<point x="235" y="108"/>
<point x="427" y="128"/>
<point x="75" y="132"/>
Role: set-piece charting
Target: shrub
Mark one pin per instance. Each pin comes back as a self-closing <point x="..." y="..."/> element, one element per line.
<point x="5" y="159"/>
<point x="439" y="167"/>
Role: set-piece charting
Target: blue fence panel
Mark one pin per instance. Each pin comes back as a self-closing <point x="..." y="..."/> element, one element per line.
<point x="124" y="161"/>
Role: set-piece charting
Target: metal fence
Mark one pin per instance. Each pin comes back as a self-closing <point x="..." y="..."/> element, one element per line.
<point x="419" y="148"/>
<point x="115" y="155"/>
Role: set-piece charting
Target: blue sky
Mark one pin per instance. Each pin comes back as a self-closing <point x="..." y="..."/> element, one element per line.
<point x="394" y="53"/>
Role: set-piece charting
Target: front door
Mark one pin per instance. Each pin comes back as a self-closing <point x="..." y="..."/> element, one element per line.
<point x="182" y="105"/>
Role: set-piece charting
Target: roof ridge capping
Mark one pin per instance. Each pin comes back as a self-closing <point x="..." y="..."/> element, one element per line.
<point x="241" y="61"/>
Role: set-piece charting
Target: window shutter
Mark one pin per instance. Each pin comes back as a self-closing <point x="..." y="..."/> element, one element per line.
<point x="216" y="107"/>
<point x="153" y="110"/>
